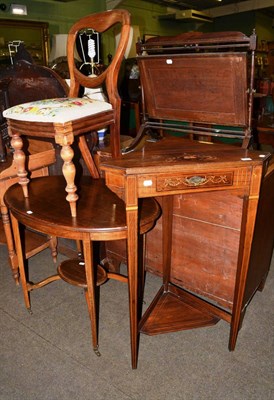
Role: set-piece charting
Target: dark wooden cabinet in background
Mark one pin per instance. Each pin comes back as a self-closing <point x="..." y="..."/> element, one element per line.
<point x="34" y="35"/>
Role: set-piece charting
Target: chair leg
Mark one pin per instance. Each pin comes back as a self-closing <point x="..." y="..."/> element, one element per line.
<point x="53" y="248"/>
<point x="21" y="262"/>
<point x="79" y="248"/>
<point x="115" y="146"/>
<point x="86" y="154"/>
<point x="69" y="172"/>
<point x="10" y="243"/>
<point x="90" y="292"/>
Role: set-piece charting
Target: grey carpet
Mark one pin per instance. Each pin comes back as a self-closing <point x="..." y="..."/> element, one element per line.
<point x="48" y="355"/>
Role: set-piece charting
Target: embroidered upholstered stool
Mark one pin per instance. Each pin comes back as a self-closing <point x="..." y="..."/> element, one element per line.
<point x="63" y="119"/>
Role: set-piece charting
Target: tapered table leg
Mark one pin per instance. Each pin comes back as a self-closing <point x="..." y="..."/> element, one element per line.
<point x="132" y="249"/>
<point x="10" y="243"/>
<point x="167" y="219"/>
<point x="18" y="245"/>
<point x="90" y="292"/>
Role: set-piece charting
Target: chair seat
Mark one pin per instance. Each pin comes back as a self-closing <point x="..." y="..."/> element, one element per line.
<point x="58" y="110"/>
<point x="100" y="213"/>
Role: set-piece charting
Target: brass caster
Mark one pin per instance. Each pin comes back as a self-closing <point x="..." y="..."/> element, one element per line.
<point x="97" y="352"/>
<point x="30" y="311"/>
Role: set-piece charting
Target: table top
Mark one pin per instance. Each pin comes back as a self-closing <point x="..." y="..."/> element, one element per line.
<point x="47" y="209"/>
<point x="177" y="154"/>
<point x="100" y="213"/>
<point x="175" y="165"/>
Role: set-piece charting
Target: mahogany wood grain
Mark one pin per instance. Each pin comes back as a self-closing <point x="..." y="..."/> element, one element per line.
<point x="210" y="225"/>
<point x="207" y="83"/>
<point x="197" y="85"/>
<point x="193" y="265"/>
<point x="101" y="216"/>
<point x="40" y="157"/>
<point x="52" y="212"/>
<point x="263" y="240"/>
<point x="162" y="316"/>
<point x="73" y="271"/>
<point x="181" y="167"/>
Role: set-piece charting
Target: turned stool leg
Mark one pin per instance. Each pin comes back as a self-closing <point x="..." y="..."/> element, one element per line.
<point x="20" y="161"/>
<point x="69" y="172"/>
<point x="53" y="248"/>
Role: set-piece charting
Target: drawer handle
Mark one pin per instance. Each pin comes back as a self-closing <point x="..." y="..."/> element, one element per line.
<point x="195" y="180"/>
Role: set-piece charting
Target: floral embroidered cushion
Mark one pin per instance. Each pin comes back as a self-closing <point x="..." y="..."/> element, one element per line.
<point x="59" y="110"/>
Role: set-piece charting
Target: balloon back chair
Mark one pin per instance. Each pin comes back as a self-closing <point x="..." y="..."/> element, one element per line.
<point x="93" y="214"/>
<point x="21" y="82"/>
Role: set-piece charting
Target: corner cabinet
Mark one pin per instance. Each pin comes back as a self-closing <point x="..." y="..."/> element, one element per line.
<point x="34" y="35"/>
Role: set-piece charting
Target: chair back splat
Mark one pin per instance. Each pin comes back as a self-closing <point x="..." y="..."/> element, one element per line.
<point x="109" y="77"/>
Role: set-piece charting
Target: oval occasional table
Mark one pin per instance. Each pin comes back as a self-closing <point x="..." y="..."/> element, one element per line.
<point x="101" y="216"/>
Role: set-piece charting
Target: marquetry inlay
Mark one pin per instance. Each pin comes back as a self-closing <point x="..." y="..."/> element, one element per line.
<point x="194" y="157"/>
<point x="187" y="181"/>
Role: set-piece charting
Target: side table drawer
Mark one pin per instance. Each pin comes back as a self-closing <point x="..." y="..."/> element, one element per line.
<point x="194" y="181"/>
<point x="174" y="182"/>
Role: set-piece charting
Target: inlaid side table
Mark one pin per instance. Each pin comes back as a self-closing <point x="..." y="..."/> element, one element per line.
<point x="170" y="167"/>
